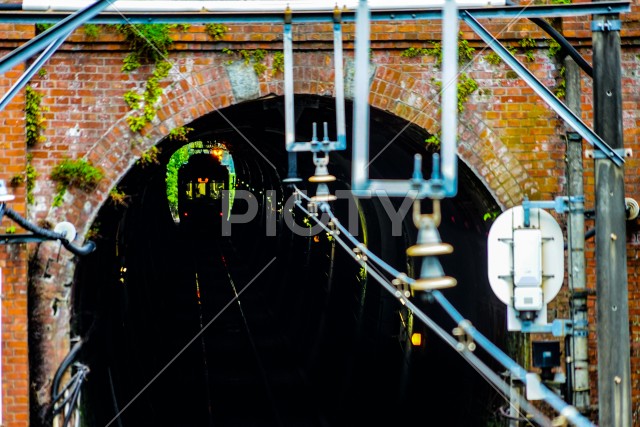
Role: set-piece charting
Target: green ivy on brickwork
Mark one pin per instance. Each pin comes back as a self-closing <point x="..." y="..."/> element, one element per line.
<point x="146" y="102"/>
<point x="33" y="116"/>
<point x="41" y="28"/>
<point x="92" y="31"/>
<point x="278" y="63"/>
<point x="527" y="44"/>
<point x="465" y="51"/>
<point x="494" y="59"/>
<point x="466" y="85"/>
<point x="216" y="31"/>
<point x="150" y="44"/>
<point x="32" y="175"/>
<point x="79" y="173"/>
<point x="256" y="58"/>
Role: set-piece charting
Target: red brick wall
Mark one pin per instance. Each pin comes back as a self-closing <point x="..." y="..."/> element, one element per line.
<point x="509" y="138"/>
<point x="13" y="258"/>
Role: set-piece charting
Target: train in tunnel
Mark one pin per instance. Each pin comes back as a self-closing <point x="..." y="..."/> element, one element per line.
<point x="206" y="185"/>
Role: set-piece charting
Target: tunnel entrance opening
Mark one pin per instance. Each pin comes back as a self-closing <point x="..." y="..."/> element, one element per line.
<point x="275" y="325"/>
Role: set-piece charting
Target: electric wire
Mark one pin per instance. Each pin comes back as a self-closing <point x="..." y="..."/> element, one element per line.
<point x="483" y="369"/>
<point x="570" y="412"/>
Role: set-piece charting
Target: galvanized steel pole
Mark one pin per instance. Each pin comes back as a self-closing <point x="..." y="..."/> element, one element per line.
<point x="578" y="364"/>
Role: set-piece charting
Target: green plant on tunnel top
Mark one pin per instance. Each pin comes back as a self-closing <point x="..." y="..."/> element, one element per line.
<point x="149" y="44"/>
<point x="93" y="232"/>
<point x="433" y="140"/>
<point x="277" y="65"/>
<point x="118" y="197"/>
<point x="180" y="133"/>
<point x="149" y="98"/>
<point x="490" y="216"/>
<point x="92" y="31"/>
<point x="527" y="44"/>
<point x="149" y="157"/>
<point x="79" y="173"/>
<point x="216" y="31"/>
<point x="256" y="59"/>
<point x="465" y="51"/>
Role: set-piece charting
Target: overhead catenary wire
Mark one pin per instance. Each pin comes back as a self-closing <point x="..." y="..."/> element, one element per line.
<point x="568" y="411"/>
<point x="476" y="363"/>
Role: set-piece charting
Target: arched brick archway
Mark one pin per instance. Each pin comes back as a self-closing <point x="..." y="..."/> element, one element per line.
<point x="192" y="93"/>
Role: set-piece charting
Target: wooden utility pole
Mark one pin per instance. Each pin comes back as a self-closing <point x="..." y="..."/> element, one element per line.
<point x="578" y="364"/>
<point x="614" y="372"/>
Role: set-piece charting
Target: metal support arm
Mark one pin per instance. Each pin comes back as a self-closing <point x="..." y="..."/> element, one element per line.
<point x="563" y="111"/>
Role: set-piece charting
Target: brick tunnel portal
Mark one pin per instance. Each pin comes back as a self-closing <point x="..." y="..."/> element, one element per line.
<point x="186" y="327"/>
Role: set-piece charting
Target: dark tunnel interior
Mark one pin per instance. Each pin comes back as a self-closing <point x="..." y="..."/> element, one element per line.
<point x="188" y="327"/>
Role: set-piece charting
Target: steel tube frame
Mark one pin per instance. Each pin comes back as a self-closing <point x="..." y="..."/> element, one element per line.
<point x="291" y="144"/>
<point x="255" y="6"/>
<point x="33" y="68"/>
<point x="444" y="186"/>
<point x="563" y="111"/>
<point x="60" y="30"/>
<point x="151" y="16"/>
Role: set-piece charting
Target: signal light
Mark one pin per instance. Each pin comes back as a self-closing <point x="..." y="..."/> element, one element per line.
<point x="416" y="339"/>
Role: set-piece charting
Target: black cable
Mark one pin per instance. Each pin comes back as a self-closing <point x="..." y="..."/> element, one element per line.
<point x="559" y="38"/>
<point x="74" y="402"/>
<point x="66" y="362"/>
<point x="43" y="232"/>
<point x="73" y="387"/>
<point x="566" y="46"/>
